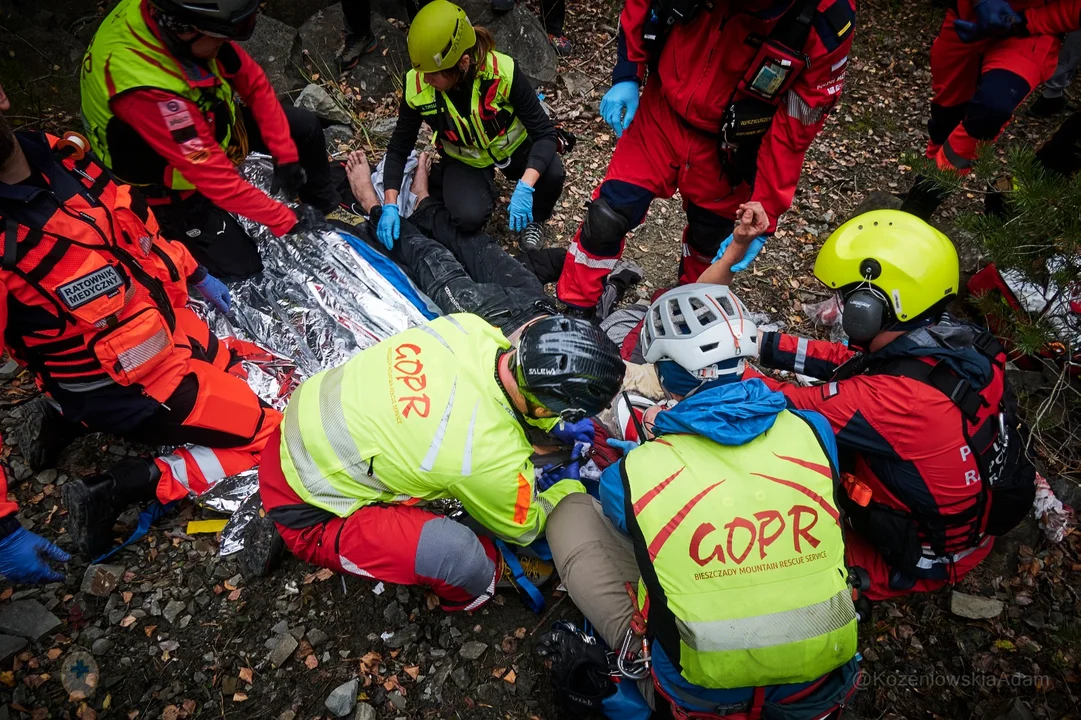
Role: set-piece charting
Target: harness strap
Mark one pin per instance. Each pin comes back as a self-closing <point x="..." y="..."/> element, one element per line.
<point x="530" y="594"/>
<point x="11" y="243"/>
<point x="942" y="378"/>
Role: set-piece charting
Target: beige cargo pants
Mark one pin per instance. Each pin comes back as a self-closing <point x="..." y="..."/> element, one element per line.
<point x="596" y="561"/>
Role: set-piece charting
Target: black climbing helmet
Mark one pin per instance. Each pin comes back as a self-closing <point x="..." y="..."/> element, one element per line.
<point x="233" y="19"/>
<point x="568" y="366"/>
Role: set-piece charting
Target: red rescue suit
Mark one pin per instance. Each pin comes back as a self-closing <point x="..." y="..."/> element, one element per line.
<point x="916" y="487"/>
<point x="978" y="86"/>
<point x="726" y="117"/>
<point x="93" y="302"/>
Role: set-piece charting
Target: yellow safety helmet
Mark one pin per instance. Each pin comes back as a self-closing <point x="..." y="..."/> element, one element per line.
<point x="894" y="256"/>
<point x="439" y="36"/>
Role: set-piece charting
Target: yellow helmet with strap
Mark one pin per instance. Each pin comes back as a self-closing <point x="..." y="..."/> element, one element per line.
<point x="439" y="36"/>
<point x="912" y="265"/>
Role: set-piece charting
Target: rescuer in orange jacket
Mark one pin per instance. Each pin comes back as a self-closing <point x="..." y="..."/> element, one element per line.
<point x="93" y="302"/>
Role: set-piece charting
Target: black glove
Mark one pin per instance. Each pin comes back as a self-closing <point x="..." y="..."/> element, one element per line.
<point x="309" y="219"/>
<point x="580" y="670"/>
<point x="288" y="178"/>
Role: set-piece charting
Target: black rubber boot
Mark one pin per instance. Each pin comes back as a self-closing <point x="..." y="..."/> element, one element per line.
<point x="42" y="433"/>
<point x="924" y="198"/>
<point x="264" y="547"/>
<point x="93" y="504"/>
<point x="1046" y="107"/>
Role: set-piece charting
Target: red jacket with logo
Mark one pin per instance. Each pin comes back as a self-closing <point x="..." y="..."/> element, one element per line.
<point x="702" y="63"/>
<point x="899" y="437"/>
<point x="88" y="287"/>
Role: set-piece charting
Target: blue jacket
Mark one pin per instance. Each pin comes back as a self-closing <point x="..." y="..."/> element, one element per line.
<point x="731" y="414"/>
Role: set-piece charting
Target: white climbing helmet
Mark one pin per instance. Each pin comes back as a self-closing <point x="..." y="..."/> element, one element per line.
<point x="699" y="327"/>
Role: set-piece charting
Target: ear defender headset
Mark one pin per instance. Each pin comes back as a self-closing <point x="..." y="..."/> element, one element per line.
<point x="867" y="310"/>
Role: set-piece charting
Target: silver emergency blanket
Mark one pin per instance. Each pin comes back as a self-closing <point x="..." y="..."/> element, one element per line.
<point x="315" y="305"/>
<point x="1055" y="304"/>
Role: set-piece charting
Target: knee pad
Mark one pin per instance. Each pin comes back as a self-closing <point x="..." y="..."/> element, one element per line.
<point x="603" y="229"/>
<point x="451" y="553"/>
<point x="999" y="94"/>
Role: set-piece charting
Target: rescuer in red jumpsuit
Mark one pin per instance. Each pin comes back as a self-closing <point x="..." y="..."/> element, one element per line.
<point x="722" y="119"/>
<point x="988" y="57"/>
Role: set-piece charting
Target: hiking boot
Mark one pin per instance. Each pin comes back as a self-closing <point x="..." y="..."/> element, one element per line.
<point x="94" y="503"/>
<point x="353" y="48"/>
<point x="561" y="44"/>
<point x="532" y="238"/>
<point x="42" y="433"/>
<point x="623" y="277"/>
<point x="264" y="547"/>
<point x="537" y="571"/>
<point x="1046" y="107"/>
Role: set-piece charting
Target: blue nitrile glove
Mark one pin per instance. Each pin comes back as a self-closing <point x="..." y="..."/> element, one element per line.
<point x="23" y="555"/>
<point x="390" y="226"/>
<point x="752" y="252"/>
<point x="569" y="433"/>
<point x="215" y="292"/>
<point x="551" y="474"/>
<point x="624" y="446"/>
<point x="521" y="206"/>
<point x="994" y="18"/>
<point x="619" y="105"/>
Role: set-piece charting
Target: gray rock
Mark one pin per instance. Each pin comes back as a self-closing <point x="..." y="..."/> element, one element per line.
<point x="9" y="371"/>
<point x="394" y="615"/>
<point x="317" y="637"/>
<point x="337" y="137"/>
<point x="28" y="619"/>
<point x="403" y="637"/>
<point x="315" y="98"/>
<point x="439" y="679"/>
<point x="974" y="607"/>
<point x="297" y="632"/>
<point x="376" y="74"/>
<point x="343" y="698"/>
<point x="272" y="45"/>
<point x="364" y="712"/>
<point x="172" y="610"/>
<point x="1016" y="710"/>
<point x="101" y="580"/>
<point x="287" y="715"/>
<point x="46" y="476"/>
<point x="489" y="692"/>
<point x="401" y="593"/>
<point x="397" y="700"/>
<point x="10" y="645"/>
<point x="281" y="628"/>
<point x="383" y="126"/>
<point x="287" y="645"/>
<point x="460" y="676"/>
<point x="472" y="650"/>
<point x="101" y="646"/>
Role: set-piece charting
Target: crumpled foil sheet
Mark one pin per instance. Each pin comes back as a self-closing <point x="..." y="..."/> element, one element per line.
<point x="1055" y="518"/>
<point x="315" y="305"/>
<point x="1057" y="305"/>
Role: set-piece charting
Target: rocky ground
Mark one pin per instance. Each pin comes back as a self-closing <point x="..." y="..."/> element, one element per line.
<point x="172" y="631"/>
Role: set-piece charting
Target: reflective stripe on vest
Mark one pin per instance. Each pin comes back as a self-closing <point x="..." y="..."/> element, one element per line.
<point x="741" y="555"/>
<point x="126" y="55"/>
<point x="474" y="142"/>
<point x="389" y="425"/>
